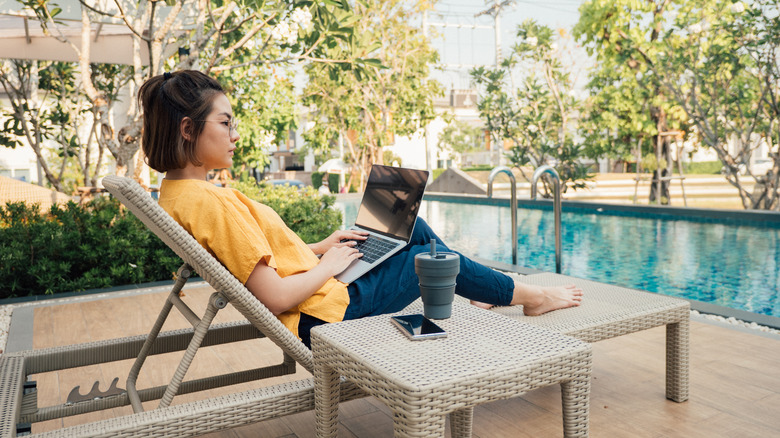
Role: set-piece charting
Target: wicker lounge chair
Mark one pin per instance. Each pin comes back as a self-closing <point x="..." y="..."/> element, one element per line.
<point x="609" y="311"/>
<point x="18" y="401"/>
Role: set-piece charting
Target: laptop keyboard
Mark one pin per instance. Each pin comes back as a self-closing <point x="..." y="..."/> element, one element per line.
<point x="374" y="247"/>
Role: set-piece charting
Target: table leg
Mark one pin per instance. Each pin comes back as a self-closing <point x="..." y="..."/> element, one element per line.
<point x="677" y="361"/>
<point x="418" y="425"/>
<point x="461" y="422"/>
<point x="575" y="395"/>
<point x="326" y="400"/>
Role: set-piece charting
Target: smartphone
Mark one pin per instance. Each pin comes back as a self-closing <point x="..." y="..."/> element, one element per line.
<point x="417" y="327"/>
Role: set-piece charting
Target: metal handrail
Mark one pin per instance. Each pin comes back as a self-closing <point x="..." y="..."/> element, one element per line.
<point x="556" y="206"/>
<point x="512" y="203"/>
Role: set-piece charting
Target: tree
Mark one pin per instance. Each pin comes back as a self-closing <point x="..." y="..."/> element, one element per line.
<point x="460" y="137"/>
<point x="50" y="111"/>
<point x="629" y="109"/>
<point x="235" y="39"/>
<point x="710" y="65"/>
<point x="528" y="100"/>
<point x="393" y="96"/>
<point x="721" y="66"/>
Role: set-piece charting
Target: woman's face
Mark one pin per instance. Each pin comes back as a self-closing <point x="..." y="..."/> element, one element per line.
<point x="217" y="141"/>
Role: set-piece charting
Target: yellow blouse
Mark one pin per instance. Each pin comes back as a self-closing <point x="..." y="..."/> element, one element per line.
<point x="240" y="232"/>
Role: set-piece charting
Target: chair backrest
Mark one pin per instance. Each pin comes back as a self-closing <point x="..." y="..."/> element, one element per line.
<point x="134" y="197"/>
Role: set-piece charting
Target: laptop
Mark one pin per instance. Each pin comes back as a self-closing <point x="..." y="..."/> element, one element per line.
<point x="387" y="212"/>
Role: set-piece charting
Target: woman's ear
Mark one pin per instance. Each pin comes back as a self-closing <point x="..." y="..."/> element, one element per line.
<point x="185" y="128"/>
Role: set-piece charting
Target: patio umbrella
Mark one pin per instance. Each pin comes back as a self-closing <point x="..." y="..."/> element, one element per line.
<point x="335" y="165"/>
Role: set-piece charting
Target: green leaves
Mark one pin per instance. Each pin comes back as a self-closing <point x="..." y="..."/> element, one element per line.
<point x="306" y="212"/>
<point x="528" y="102"/>
<point x="460" y="137"/>
<point x="74" y="248"/>
<point x="384" y="91"/>
<point x="705" y="67"/>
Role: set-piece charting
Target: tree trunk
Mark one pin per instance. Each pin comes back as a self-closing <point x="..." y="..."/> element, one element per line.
<point x="129" y="141"/>
<point x="663" y="156"/>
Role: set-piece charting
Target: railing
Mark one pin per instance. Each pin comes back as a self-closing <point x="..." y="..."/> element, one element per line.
<point x="512" y="203"/>
<point x="556" y="206"/>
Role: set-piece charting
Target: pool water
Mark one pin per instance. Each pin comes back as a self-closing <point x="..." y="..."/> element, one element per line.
<point x="729" y="265"/>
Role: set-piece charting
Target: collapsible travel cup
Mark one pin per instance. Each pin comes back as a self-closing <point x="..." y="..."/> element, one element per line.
<point x="437" y="273"/>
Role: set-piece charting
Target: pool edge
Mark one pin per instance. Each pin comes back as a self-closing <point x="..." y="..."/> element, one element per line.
<point x="696" y="214"/>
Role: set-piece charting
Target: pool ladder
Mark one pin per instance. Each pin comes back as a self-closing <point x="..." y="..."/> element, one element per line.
<point x="513" y="205"/>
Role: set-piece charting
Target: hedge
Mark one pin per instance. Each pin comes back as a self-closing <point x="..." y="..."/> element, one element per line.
<point x="73" y="248"/>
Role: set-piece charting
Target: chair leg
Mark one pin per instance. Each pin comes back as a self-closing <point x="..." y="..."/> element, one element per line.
<point x="575" y="397"/>
<point x="677" y="360"/>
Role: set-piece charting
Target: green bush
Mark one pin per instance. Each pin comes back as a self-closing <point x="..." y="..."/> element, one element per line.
<point x="703" y="167"/>
<point x="478" y="167"/>
<point x="333" y="180"/>
<point x="305" y="211"/>
<point x="316" y="179"/>
<point x="74" y="248"/>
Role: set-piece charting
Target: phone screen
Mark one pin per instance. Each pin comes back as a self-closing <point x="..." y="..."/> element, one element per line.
<point x="418" y="327"/>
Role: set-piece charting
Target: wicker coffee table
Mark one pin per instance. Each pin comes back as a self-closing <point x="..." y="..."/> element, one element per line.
<point x="485" y="357"/>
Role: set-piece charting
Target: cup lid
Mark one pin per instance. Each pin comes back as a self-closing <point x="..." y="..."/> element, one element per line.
<point x="441" y="259"/>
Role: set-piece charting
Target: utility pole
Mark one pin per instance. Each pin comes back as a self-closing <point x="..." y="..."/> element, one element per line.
<point x="495" y="11"/>
<point x="428" y="151"/>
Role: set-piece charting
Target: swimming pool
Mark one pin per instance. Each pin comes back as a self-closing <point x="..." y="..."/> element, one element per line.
<point x="733" y="265"/>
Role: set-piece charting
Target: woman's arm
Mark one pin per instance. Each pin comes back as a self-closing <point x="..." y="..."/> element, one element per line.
<point x="282" y="294"/>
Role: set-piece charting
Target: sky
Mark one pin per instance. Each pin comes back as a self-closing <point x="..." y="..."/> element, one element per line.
<point x="477" y="46"/>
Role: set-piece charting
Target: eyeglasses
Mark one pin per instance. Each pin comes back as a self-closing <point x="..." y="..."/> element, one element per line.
<point x="231" y="124"/>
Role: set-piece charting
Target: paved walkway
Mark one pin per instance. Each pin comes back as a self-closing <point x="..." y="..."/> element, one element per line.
<point x="701" y="191"/>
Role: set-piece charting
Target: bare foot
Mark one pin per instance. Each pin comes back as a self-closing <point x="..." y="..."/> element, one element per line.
<point x="554" y="298"/>
<point x="481" y="305"/>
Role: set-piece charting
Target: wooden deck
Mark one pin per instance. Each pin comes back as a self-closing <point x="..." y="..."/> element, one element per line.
<point x="735" y="382"/>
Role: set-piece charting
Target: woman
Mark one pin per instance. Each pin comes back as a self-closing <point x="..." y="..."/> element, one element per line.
<point x="189" y="130"/>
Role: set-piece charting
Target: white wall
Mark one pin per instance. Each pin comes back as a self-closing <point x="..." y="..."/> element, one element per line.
<point x="412" y="149"/>
<point x="18" y="163"/>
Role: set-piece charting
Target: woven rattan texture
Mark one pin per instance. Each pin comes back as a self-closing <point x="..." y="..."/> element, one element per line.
<point x="608" y="311"/>
<point x="11" y="384"/>
<point x="485" y="357"/>
<point x="210" y="415"/>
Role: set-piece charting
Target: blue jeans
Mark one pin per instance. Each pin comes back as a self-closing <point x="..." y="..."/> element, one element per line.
<point x="393" y="284"/>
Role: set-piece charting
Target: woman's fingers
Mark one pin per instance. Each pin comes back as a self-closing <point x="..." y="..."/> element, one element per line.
<point x="339" y="258"/>
<point x="350" y="237"/>
<point x="354" y="234"/>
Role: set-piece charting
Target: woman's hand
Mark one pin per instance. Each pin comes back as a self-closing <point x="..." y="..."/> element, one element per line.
<point x="338" y="258"/>
<point x="335" y="240"/>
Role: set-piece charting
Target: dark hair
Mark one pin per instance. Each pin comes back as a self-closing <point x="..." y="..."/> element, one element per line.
<point x="166" y="100"/>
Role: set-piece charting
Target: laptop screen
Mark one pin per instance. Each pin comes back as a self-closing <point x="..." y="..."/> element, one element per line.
<point x="391" y="200"/>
